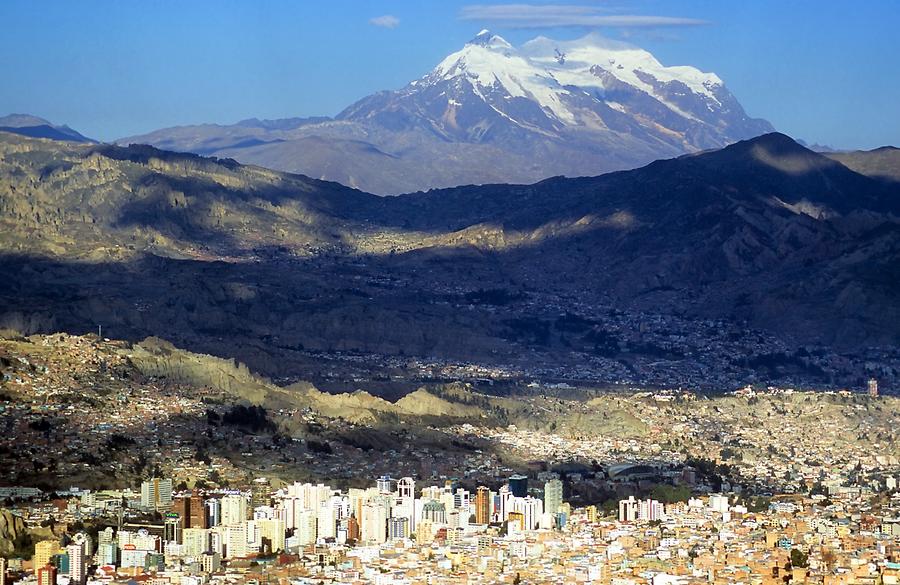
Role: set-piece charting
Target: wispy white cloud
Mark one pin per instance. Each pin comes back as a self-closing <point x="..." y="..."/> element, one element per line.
<point x="385" y="21"/>
<point x="563" y="15"/>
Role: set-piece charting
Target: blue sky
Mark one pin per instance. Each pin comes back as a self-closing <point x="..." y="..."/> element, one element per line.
<point x="825" y="71"/>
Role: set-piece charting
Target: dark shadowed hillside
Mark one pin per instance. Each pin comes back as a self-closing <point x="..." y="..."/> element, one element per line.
<point x="771" y="241"/>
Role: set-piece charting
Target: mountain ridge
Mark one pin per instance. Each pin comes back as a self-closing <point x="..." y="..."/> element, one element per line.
<point x="35" y="127"/>
<point x="256" y="264"/>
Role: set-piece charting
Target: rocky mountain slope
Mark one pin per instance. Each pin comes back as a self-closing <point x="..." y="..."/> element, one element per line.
<point x="263" y="266"/>
<point x="111" y="413"/>
<point x="494" y="113"/>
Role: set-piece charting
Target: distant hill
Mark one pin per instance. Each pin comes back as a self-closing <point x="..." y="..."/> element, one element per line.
<point x="34" y="127"/>
<point x="882" y="163"/>
<point x="494" y="113"/>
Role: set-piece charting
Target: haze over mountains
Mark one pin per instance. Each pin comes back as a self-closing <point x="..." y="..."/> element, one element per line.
<point x="494" y="113"/>
<point x="765" y="236"/>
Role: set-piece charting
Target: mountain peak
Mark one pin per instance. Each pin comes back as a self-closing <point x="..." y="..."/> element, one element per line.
<point x="774" y="143"/>
<point x="486" y="39"/>
<point x="22" y="121"/>
<point x="782" y="154"/>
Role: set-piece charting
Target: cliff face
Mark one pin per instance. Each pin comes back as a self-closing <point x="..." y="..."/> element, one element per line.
<point x="12" y="529"/>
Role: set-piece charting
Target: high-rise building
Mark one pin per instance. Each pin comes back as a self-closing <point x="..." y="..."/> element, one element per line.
<point x="631" y="510"/>
<point x="46" y="575"/>
<point x="288" y="509"/>
<point x="357" y="498"/>
<point x="628" y="510"/>
<point x="306" y="527"/>
<point x="213" y="512"/>
<point x="86" y="542"/>
<point x="88" y="498"/>
<point x="234" y="540"/>
<point x="326" y="521"/>
<point x="271" y="534"/>
<point x="553" y="496"/>
<point x="156" y="493"/>
<point x="61" y="562"/>
<point x="718" y="503"/>
<point x="650" y="510"/>
<point x="142" y="540"/>
<point x="233" y="509"/>
<point x="432" y="492"/>
<point x="353" y="532"/>
<point x="398" y="528"/>
<point x="108" y="554"/>
<point x="462" y="501"/>
<point x="518" y="485"/>
<point x="373" y="528"/>
<point x="155" y="562"/>
<point x="501" y="502"/>
<point x="77" y="563"/>
<point x="266" y="513"/>
<point x="105" y="536"/>
<point x="44" y="551"/>
<point x="182" y="506"/>
<point x="198" y="511"/>
<point x="173" y="528"/>
<point x="196" y="542"/>
<point x="515" y="522"/>
<point x="260" y="492"/>
<point x="531" y="509"/>
<point x="2" y="571"/>
<point x="215" y="541"/>
<point x="873" y="387"/>
<point x="482" y="505"/>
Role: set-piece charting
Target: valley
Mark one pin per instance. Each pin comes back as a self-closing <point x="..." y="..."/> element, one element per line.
<point x="608" y="294"/>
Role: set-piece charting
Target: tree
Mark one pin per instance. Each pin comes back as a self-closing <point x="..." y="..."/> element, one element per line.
<point x="799" y="559"/>
<point x="828" y="558"/>
<point x="23" y="546"/>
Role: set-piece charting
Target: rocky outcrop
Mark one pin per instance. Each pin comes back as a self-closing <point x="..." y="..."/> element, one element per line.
<point x="12" y="528"/>
<point x="159" y="358"/>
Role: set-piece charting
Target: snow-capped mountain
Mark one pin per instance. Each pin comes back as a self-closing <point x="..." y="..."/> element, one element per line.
<point x="495" y="113"/>
<point x="490" y="89"/>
